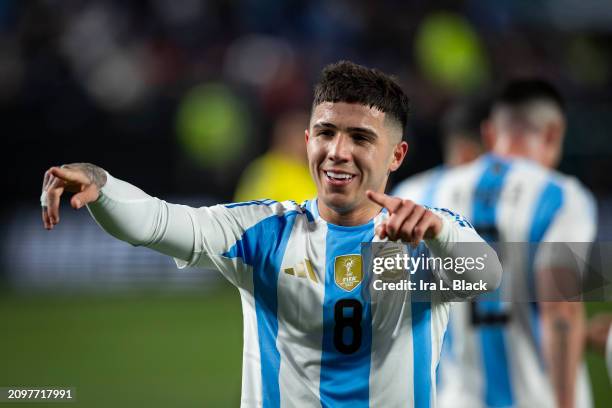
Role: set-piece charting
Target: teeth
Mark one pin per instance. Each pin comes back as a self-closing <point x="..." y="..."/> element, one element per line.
<point x="341" y="176"/>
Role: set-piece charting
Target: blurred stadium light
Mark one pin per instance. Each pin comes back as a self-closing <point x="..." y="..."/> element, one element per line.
<point x="450" y="53"/>
<point x="212" y="125"/>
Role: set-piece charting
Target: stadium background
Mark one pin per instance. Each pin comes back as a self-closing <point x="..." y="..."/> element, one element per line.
<point x="176" y="97"/>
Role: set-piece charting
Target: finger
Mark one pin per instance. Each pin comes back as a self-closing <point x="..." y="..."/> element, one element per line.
<point x="435" y="226"/>
<point x="45" y="215"/>
<point x="46" y="179"/>
<point x="407" y="231"/>
<point x="70" y="175"/>
<point x="89" y="195"/>
<point x="390" y="203"/>
<point x="397" y="219"/>
<point x="421" y="230"/>
<point x="53" y="199"/>
<point x="50" y="181"/>
<point x="45" y="219"/>
<point x="45" y="203"/>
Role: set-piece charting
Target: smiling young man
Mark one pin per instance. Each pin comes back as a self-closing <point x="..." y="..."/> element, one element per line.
<point x="315" y="334"/>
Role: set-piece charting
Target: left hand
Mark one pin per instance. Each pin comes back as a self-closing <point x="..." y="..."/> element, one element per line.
<point x="407" y="220"/>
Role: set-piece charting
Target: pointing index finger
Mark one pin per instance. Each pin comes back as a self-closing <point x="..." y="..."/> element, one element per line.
<point x="390" y="203"/>
<point x="67" y="174"/>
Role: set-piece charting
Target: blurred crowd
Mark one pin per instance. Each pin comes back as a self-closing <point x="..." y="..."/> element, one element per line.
<point x="178" y="96"/>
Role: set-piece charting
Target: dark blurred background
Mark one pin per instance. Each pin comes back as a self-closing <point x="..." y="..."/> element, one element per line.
<point x="177" y="97"/>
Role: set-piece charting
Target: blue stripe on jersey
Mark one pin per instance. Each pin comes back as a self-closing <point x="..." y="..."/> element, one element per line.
<point x="534" y="324"/>
<point x="462" y="221"/>
<point x="432" y="187"/>
<point x="266" y="256"/>
<point x="344" y="379"/>
<point x="548" y="204"/>
<point x="447" y="351"/>
<point x="421" y="338"/>
<point x="498" y="388"/>
<point x="448" y="340"/>
<point x="252" y="202"/>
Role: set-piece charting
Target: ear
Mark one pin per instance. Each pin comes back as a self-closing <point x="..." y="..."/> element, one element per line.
<point x="554" y="133"/>
<point x="399" y="152"/>
<point x="553" y="144"/>
<point x="306" y="135"/>
<point x="487" y="133"/>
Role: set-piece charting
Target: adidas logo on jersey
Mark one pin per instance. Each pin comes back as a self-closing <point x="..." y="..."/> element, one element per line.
<point x="302" y="270"/>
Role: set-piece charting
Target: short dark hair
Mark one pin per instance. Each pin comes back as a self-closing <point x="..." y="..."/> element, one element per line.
<point x="465" y="118"/>
<point x="348" y="82"/>
<point x="522" y="91"/>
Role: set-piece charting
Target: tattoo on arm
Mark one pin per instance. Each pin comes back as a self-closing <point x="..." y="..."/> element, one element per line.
<point x="96" y="174"/>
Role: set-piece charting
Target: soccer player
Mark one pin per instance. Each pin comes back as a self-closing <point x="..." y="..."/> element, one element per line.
<point x="522" y="354"/>
<point x="312" y="335"/>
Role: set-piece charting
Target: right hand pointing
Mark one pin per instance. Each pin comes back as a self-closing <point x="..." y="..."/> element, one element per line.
<point x="84" y="179"/>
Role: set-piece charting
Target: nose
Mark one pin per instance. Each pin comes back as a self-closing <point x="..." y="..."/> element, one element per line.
<point x="340" y="148"/>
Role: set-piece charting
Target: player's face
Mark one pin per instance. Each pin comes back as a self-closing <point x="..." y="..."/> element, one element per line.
<point x="351" y="149"/>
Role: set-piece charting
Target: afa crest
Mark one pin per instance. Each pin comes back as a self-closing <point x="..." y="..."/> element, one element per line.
<point x="347" y="271"/>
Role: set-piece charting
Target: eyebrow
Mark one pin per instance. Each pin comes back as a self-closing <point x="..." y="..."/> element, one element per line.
<point x="350" y="129"/>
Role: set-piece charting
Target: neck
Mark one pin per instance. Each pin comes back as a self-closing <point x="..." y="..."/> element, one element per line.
<point x="515" y="149"/>
<point x="357" y="216"/>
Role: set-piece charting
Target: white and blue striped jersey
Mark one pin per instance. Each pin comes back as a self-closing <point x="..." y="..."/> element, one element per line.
<point x="507" y="200"/>
<point x="284" y="259"/>
<point x="315" y="333"/>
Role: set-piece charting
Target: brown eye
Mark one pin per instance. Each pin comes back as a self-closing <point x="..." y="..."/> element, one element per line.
<point x="360" y="139"/>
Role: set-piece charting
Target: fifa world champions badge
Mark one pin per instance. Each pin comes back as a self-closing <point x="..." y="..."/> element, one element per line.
<point x="347" y="271"/>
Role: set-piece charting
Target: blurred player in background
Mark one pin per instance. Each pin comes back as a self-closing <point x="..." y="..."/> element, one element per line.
<point x="282" y="172"/>
<point x="524" y="354"/>
<point x="312" y="336"/>
<point x="461" y="143"/>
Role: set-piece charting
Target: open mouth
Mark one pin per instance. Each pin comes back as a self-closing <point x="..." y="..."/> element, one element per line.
<point x="338" y="178"/>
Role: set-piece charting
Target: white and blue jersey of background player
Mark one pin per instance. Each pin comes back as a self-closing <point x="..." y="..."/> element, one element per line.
<point x="493" y="358"/>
